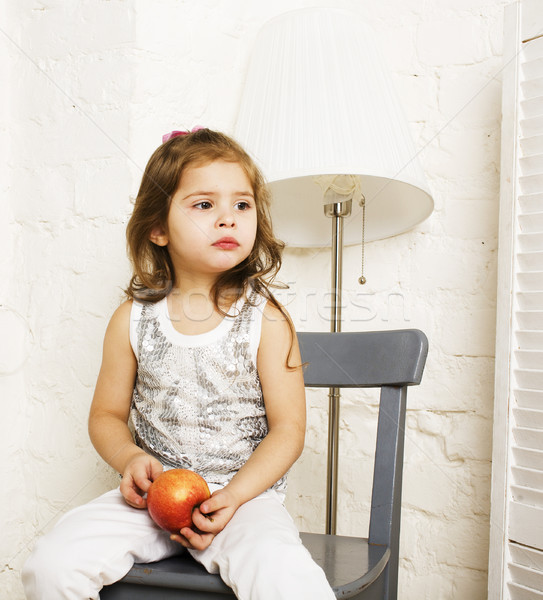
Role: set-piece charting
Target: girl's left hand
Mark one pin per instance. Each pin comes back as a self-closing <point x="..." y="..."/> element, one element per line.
<point x="209" y="519"/>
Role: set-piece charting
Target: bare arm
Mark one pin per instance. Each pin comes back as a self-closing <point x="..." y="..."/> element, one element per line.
<point x="108" y="419"/>
<point x="284" y="398"/>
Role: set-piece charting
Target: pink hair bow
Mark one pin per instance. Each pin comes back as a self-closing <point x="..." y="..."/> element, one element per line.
<point x="169" y="136"/>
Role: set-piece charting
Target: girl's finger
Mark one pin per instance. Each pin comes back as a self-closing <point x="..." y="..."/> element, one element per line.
<point x="196" y="540"/>
<point x="142" y="481"/>
<point x="203" y="522"/>
<point x="180" y="540"/>
<point x="131" y="495"/>
<point x="212" y="504"/>
<point x="156" y="470"/>
<point x="138" y="504"/>
<point x="134" y="500"/>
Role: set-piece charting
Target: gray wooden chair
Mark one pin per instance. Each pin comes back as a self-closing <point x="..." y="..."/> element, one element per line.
<point x="356" y="567"/>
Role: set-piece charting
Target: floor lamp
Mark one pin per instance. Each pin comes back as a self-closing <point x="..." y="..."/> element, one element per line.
<point x="320" y="116"/>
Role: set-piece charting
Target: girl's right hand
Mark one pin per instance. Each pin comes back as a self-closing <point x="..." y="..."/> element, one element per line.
<point x="138" y="475"/>
<point x="209" y="519"/>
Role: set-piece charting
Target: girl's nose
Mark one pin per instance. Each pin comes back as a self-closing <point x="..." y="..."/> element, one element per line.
<point x="226" y="220"/>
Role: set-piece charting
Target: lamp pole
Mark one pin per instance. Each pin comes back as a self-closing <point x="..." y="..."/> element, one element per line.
<point x="337" y="211"/>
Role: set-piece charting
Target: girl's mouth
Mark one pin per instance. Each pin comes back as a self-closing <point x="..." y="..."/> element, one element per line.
<point x="226" y="243"/>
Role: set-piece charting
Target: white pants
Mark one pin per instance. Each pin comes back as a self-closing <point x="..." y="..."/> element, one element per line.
<point x="259" y="553"/>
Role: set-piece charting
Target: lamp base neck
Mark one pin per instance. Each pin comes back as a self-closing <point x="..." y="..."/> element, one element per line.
<point x="338" y="209"/>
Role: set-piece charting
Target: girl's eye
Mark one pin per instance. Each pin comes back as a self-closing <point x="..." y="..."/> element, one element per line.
<point x="203" y="205"/>
<point x="242" y="205"/>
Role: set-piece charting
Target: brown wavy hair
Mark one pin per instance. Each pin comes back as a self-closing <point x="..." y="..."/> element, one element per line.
<point x="153" y="273"/>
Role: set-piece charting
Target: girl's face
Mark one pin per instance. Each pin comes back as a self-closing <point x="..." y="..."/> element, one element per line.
<point x="212" y="219"/>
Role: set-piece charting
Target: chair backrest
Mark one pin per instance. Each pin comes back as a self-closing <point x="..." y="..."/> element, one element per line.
<point x="363" y="359"/>
<point x="390" y="360"/>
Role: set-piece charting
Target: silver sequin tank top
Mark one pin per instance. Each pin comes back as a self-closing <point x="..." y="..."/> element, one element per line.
<point x="197" y="402"/>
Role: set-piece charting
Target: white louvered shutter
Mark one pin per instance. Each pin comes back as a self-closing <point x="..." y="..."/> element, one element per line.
<point x="516" y="566"/>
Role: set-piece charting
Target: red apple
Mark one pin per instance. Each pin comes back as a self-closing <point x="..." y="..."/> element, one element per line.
<point x="172" y="497"/>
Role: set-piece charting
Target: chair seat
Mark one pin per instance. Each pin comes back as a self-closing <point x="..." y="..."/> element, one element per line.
<point x="349" y="563"/>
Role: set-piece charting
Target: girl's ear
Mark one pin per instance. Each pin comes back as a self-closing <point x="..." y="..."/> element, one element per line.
<point x="158" y="236"/>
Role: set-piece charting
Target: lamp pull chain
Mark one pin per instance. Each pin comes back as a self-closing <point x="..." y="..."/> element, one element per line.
<point x="362" y="279"/>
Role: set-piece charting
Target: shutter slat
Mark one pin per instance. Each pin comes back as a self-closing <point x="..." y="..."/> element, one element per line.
<point x="534" y="49"/>
<point x="527" y="496"/>
<point x="526" y="437"/>
<point x="531" y="281"/>
<point x="532" y="107"/>
<point x="528" y="577"/>
<point x="531" y="459"/>
<point x="520" y="592"/>
<point x="528" y="557"/>
<point x="530" y="242"/>
<point x="532" y="87"/>
<point x="531" y="126"/>
<point x="530" y="319"/>
<point x="531" y="145"/>
<point x="529" y="340"/>
<point x="531" y="261"/>
<point x="529" y="398"/>
<point x="525" y="523"/>
<point x="531" y="479"/>
<point x="531" y="184"/>
<point x="532" y="68"/>
<point x="532" y="165"/>
<point x="532" y="203"/>
<point x="531" y="379"/>
<point x="529" y="417"/>
<point x="533" y="222"/>
<point x="530" y="300"/>
<point x="529" y="359"/>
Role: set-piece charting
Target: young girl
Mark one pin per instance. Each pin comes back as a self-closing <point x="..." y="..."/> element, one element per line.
<point x="203" y="362"/>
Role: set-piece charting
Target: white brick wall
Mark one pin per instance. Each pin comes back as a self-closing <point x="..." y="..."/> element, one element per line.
<point x="89" y="87"/>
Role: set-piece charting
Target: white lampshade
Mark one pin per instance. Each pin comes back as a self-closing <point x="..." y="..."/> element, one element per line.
<point x="318" y="100"/>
